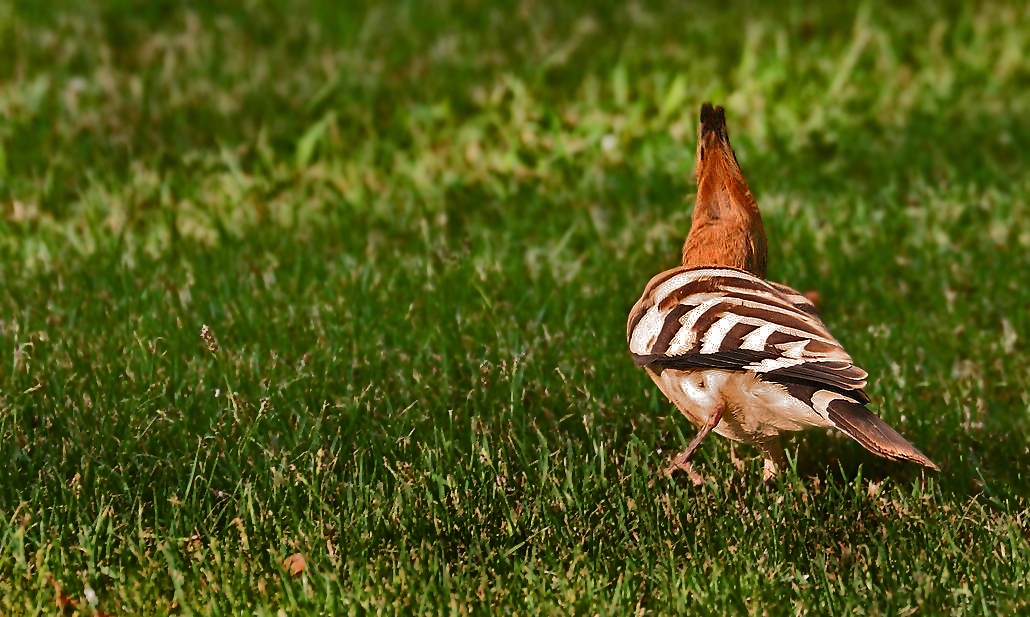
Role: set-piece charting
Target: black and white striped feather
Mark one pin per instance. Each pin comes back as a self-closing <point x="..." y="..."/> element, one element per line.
<point x="730" y="319"/>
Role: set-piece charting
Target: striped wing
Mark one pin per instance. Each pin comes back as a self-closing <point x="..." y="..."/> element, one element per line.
<point x="729" y="319"/>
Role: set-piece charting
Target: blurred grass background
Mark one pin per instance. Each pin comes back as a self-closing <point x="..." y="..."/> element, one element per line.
<point x="416" y="229"/>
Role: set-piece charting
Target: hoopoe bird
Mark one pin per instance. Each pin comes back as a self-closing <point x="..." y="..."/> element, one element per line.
<point x="738" y="355"/>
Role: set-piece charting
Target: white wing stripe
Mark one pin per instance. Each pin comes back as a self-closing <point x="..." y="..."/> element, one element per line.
<point x="821" y="401"/>
<point x="685" y="338"/>
<point x="756" y="340"/>
<point x="646" y="332"/>
<point x="715" y="335"/>
<point x="797" y="349"/>
<point x="794" y="350"/>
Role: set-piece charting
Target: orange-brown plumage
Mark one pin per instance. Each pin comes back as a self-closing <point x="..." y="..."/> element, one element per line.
<point x="746" y="358"/>
<point x="727" y="228"/>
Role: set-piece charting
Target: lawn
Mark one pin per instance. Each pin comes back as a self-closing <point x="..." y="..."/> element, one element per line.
<point x="415" y="230"/>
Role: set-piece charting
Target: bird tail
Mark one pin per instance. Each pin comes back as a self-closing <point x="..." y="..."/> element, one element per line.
<point x="874" y="434"/>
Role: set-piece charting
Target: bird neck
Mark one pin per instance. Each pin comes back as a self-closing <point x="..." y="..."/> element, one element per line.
<point x="726" y="229"/>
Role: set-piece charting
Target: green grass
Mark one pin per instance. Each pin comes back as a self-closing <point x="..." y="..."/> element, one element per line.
<point x="416" y="230"/>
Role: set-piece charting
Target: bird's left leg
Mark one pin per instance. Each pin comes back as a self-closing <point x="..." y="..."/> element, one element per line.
<point x="775" y="460"/>
<point x="682" y="460"/>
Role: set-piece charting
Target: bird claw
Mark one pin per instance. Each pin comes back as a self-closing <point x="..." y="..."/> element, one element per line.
<point x="694" y="476"/>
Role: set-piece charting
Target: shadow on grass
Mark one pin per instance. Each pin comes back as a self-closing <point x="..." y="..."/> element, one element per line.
<point x="971" y="469"/>
<point x="992" y="470"/>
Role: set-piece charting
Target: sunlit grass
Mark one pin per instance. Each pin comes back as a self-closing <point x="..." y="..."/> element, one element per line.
<point x="416" y="230"/>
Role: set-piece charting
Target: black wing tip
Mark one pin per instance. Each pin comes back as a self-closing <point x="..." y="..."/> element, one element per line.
<point x="713" y="120"/>
<point x="805" y="376"/>
<point x="640" y="360"/>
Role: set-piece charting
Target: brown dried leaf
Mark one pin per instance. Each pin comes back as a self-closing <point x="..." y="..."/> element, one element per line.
<point x="295" y="564"/>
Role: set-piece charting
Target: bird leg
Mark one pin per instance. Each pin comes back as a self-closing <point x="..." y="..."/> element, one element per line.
<point x="775" y="460"/>
<point x="735" y="458"/>
<point x="682" y="460"/>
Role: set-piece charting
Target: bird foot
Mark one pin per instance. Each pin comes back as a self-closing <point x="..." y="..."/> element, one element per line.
<point x="684" y="466"/>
